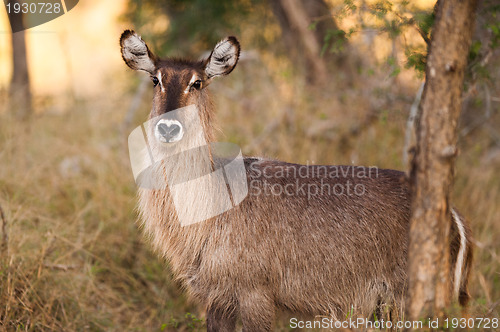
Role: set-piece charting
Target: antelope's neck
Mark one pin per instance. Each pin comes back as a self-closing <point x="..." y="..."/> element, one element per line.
<point x="183" y="191"/>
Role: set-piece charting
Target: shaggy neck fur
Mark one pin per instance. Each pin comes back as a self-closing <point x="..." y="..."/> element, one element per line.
<point x="180" y="245"/>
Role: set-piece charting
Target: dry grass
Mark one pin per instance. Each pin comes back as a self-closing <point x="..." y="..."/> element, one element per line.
<point x="75" y="259"/>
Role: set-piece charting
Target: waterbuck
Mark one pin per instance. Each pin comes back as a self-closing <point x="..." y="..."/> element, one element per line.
<point x="308" y="239"/>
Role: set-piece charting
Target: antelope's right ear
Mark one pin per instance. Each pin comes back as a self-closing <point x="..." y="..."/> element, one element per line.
<point x="136" y="53"/>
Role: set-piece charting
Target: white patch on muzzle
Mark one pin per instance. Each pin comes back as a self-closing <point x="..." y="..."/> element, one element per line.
<point x="169" y="131"/>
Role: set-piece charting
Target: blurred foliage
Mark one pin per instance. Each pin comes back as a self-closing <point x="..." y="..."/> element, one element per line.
<point x="188" y="25"/>
<point x="390" y="18"/>
<point x="335" y="40"/>
<point x="396" y="19"/>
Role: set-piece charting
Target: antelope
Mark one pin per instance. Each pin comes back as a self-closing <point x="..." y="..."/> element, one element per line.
<point x="334" y="250"/>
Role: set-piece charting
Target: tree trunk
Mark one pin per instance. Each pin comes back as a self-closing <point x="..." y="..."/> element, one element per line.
<point x="19" y="90"/>
<point x="305" y="44"/>
<point x="432" y="167"/>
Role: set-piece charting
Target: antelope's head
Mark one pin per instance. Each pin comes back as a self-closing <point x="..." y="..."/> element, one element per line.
<point x="178" y="83"/>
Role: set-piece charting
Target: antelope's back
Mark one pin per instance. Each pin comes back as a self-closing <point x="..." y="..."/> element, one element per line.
<point x="319" y="236"/>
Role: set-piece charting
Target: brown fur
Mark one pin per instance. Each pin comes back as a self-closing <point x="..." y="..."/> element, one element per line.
<point x="321" y="255"/>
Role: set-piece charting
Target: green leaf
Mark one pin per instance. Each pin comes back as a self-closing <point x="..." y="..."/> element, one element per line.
<point x="474" y="50"/>
<point x="313" y="25"/>
<point x="395" y="72"/>
<point x="416" y="59"/>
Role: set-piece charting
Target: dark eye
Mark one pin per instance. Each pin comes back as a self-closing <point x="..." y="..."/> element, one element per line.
<point x="196" y="85"/>
<point x="155" y="80"/>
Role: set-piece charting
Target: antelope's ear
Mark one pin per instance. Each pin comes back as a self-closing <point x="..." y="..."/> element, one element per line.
<point x="223" y="58"/>
<point x="136" y="53"/>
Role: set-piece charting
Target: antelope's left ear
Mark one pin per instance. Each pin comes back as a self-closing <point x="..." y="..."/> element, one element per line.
<point x="223" y="58"/>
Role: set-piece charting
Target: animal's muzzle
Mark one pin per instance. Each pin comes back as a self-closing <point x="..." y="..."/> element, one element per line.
<point x="169" y="131"/>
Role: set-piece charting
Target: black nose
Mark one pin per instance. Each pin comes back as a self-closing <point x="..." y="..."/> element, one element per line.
<point x="169" y="131"/>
